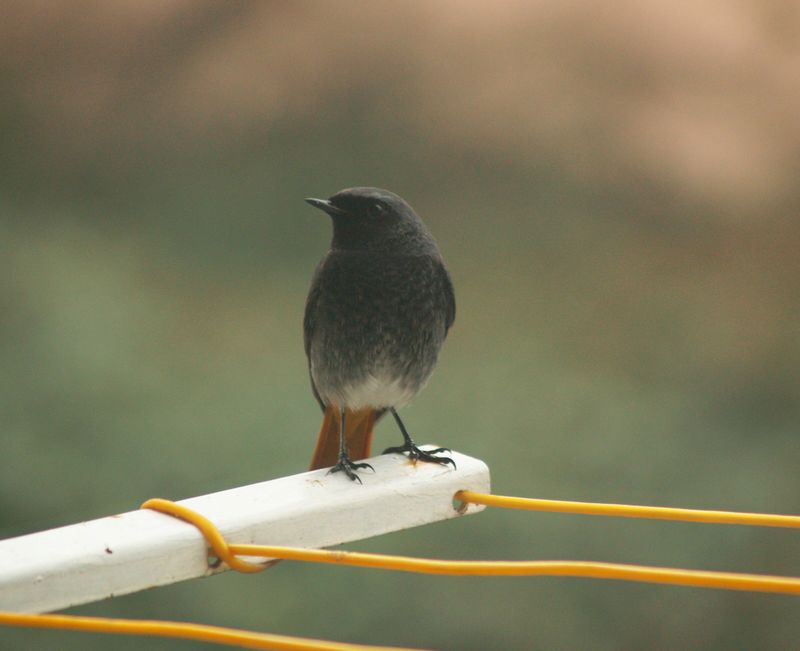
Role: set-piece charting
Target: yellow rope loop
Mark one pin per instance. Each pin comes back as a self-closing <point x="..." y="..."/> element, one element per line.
<point x="630" y="511"/>
<point x="590" y="569"/>
<point x="229" y="555"/>
<point x="210" y="532"/>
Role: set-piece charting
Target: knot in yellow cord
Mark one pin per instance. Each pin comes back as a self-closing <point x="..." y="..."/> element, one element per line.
<point x="210" y="532"/>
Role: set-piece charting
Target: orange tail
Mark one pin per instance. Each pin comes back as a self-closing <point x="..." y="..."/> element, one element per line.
<point x="358" y="434"/>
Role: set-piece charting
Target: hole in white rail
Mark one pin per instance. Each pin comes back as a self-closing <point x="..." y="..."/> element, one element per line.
<point x="459" y="505"/>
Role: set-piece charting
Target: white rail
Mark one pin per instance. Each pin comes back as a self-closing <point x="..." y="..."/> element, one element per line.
<point x="120" y="554"/>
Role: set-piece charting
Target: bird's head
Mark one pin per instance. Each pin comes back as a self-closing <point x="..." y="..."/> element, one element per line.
<point x="374" y="219"/>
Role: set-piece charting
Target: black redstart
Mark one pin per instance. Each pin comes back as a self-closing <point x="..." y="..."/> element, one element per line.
<point x="379" y="308"/>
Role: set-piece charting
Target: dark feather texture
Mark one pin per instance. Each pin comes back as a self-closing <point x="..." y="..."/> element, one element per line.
<point x="380" y="304"/>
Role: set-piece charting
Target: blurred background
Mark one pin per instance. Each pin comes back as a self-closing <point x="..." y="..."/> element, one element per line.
<point x="614" y="188"/>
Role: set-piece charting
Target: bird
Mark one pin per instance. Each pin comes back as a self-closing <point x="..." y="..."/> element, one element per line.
<point x="379" y="308"/>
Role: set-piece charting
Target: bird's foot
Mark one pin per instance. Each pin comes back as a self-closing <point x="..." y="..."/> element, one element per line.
<point x="349" y="467"/>
<point x="415" y="453"/>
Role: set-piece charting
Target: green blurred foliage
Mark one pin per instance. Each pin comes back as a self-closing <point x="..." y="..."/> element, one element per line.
<point x="619" y="214"/>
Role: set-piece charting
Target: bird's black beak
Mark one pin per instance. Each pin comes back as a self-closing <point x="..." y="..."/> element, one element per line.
<point x="325" y="205"/>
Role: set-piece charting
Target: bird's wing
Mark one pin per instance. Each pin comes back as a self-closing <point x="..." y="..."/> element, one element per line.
<point x="310" y="323"/>
<point x="450" y="298"/>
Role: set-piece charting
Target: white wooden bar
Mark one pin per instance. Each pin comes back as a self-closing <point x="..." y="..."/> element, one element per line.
<point x="120" y="554"/>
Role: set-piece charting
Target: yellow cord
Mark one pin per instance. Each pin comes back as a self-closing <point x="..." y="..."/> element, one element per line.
<point x="696" y="578"/>
<point x="183" y="630"/>
<point x="630" y="511"/>
<point x="210" y="532"/>
<point x="591" y="569"/>
<point x="229" y="554"/>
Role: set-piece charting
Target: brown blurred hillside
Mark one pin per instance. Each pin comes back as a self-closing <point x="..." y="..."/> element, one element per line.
<point x="699" y="98"/>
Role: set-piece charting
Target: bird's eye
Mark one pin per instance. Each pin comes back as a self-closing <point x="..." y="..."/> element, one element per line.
<point x="377" y="208"/>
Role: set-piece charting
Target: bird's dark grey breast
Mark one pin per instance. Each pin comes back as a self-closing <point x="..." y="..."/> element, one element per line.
<point x="373" y="320"/>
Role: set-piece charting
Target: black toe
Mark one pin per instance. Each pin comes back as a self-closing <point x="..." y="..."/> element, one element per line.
<point x="349" y="468"/>
<point x="417" y="454"/>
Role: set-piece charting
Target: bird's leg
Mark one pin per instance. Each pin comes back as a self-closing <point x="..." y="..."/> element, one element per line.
<point x="410" y="448"/>
<point x="345" y="464"/>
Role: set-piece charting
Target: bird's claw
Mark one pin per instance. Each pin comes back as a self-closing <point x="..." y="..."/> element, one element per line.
<point x="415" y="453"/>
<point x="349" y="468"/>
